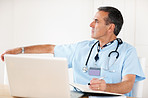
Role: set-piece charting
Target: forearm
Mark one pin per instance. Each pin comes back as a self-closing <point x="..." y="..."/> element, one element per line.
<point x="125" y="86"/>
<point x="122" y="87"/>
<point x="39" y="49"/>
<point x="32" y="49"/>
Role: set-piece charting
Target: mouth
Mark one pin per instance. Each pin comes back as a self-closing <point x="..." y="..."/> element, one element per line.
<point x="92" y="31"/>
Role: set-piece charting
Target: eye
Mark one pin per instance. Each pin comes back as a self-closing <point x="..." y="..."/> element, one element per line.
<point x="96" y="21"/>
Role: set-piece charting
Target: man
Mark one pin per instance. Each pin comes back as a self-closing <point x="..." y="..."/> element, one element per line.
<point x="106" y="62"/>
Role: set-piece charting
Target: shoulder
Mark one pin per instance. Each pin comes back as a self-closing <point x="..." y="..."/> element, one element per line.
<point x="128" y="50"/>
<point x="127" y="47"/>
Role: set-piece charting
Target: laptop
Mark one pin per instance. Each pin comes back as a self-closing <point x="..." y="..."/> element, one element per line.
<point x="39" y="77"/>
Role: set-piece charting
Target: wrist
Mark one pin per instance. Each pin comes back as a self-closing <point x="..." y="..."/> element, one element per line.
<point x="23" y="50"/>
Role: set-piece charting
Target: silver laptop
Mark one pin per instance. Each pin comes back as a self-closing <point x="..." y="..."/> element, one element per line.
<point x="43" y="77"/>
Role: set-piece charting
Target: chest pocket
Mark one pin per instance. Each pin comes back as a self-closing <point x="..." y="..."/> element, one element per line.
<point x="112" y="70"/>
<point x="111" y="76"/>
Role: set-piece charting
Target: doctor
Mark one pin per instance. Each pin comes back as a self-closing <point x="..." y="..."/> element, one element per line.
<point x="106" y="63"/>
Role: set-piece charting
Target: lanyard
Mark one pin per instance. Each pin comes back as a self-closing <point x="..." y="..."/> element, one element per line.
<point x="97" y="55"/>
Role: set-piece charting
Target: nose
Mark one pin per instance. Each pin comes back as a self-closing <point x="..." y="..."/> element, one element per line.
<point x="92" y="24"/>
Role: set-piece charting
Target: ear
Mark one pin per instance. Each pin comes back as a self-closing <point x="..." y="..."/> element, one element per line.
<point x="111" y="27"/>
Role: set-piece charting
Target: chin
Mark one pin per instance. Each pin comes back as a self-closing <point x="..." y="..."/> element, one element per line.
<point x="93" y="37"/>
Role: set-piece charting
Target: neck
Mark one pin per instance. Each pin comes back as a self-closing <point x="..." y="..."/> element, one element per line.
<point x="106" y="40"/>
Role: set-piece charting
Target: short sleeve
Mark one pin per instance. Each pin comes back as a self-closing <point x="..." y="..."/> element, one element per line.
<point x="132" y="65"/>
<point x="65" y="51"/>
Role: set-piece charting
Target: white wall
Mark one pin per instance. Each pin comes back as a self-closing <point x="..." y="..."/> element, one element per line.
<point x="30" y="22"/>
<point x="141" y="35"/>
<point x="51" y="21"/>
<point x="6" y="30"/>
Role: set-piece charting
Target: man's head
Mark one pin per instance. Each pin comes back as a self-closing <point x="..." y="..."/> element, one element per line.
<point x="107" y="23"/>
<point x="114" y="16"/>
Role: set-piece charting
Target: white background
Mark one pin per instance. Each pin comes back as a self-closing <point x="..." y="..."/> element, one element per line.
<point x="31" y="22"/>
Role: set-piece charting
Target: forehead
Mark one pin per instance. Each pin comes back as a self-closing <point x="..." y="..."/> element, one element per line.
<point x="100" y="15"/>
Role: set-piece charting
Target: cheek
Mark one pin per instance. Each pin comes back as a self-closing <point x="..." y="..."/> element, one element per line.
<point x="100" y="29"/>
<point x="96" y="29"/>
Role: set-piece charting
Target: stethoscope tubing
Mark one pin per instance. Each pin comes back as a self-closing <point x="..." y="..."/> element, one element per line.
<point x="90" y="53"/>
<point x="119" y="42"/>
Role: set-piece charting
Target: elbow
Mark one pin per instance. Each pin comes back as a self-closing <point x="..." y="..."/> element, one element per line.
<point x="127" y="90"/>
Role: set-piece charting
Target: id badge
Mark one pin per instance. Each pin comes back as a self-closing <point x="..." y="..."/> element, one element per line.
<point x="94" y="71"/>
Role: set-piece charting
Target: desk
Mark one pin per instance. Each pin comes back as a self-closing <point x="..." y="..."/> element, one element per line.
<point x="4" y="93"/>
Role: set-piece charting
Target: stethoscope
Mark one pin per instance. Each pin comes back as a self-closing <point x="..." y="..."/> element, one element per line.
<point x="85" y="68"/>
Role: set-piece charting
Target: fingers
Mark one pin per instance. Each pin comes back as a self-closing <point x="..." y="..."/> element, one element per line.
<point x="12" y="51"/>
<point x="2" y="57"/>
<point x="97" y="84"/>
<point x="95" y="87"/>
<point x="7" y="52"/>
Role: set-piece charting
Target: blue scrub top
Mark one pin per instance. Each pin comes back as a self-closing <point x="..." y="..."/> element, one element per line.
<point x="77" y="54"/>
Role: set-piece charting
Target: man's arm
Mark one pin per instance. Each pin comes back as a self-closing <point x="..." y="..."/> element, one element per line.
<point x="31" y="49"/>
<point x="123" y="87"/>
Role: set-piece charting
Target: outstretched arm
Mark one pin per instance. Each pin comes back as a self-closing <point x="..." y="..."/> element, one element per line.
<point x="31" y="49"/>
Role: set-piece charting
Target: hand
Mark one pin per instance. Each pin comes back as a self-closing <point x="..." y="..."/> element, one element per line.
<point x="12" y="51"/>
<point x="2" y="56"/>
<point x="98" y="84"/>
